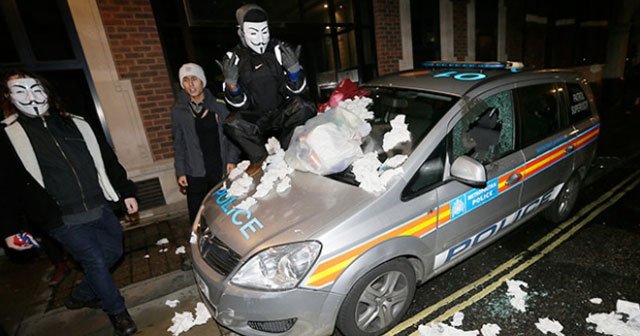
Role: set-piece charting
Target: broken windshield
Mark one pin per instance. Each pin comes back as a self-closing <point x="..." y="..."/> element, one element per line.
<point x="421" y="112"/>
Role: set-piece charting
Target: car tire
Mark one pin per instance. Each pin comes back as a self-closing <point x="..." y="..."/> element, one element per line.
<point x="562" y="206"/>
<point x="378" y="300"/>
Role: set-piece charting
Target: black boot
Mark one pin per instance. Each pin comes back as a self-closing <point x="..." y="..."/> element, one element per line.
<point x="123" y="324"/>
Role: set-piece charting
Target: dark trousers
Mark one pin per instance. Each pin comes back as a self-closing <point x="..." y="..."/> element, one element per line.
<point x="250" y="132"/>
<point x="97" y="246"/>
<point x="196" y="192"/>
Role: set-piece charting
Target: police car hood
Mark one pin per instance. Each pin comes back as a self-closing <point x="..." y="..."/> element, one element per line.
<point x="311" y="203"/>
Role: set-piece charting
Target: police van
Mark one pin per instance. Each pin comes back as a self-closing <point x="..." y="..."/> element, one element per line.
<point x="491" y="146"/>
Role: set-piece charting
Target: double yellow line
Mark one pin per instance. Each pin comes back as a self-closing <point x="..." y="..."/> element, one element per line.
<point x="518" y="263"/>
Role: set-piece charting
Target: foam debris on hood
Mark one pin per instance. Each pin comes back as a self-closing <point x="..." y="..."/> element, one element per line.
<point x="399" y="133"/>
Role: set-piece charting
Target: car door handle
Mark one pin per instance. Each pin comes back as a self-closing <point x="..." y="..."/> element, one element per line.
<point x="569" y="149"/>
<point x="514" y="178"/>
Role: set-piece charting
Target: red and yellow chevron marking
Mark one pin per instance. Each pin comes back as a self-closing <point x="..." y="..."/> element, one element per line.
<point x="329" y="270"/>
<point x="540" y="163"/>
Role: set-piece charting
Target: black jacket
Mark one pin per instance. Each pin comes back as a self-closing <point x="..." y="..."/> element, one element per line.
<point x="262" y="80"/>
<point x="20" y="193"/>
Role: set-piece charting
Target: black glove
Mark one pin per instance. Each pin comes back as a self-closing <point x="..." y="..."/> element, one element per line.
<point x="290" y="58"/>
<point x="229" y="68"/>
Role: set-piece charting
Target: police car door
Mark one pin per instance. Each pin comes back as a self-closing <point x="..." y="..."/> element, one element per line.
<point x="484" y="130"/>
<point x="543" y="136"/>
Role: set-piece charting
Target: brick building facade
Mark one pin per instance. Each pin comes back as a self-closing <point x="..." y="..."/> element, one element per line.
<point x="137" y="52"/>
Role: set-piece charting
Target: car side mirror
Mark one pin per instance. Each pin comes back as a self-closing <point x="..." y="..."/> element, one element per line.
<point x="469" y="172"/>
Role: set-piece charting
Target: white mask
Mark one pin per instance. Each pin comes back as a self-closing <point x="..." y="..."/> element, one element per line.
<point x="28" y="96"/>
<point x="256" y="35"/>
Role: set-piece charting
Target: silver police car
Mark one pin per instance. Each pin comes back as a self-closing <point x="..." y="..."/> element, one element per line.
<point x="490" y="148"/>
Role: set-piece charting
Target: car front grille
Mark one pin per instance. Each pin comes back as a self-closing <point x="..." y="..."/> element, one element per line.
<point x="216" y="253"/>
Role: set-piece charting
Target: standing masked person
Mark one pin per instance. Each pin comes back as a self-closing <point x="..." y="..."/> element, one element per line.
<point x="202" y="153"/>
<point x="263" y="81"/>
<point x="62" y="176"/>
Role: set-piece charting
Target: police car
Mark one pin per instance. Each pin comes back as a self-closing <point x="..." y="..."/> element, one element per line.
<point x="491" y="146"/>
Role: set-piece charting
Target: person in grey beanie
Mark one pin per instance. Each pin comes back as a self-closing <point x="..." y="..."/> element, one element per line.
<point x="202" y="153"/>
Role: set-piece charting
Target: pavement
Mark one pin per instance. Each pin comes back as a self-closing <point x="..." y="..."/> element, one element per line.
<point x="149" y="275"/>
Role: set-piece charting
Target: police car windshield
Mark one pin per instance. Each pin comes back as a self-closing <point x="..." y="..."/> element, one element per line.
<point x="422" y="110"/>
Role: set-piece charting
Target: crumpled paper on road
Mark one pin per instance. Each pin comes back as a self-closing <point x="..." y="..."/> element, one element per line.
<point x="184" y="321"/>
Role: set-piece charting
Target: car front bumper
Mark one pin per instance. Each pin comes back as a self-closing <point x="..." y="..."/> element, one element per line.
<point x="254" y="312"/>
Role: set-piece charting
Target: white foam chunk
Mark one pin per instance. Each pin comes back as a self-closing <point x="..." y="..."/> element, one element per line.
<point x="490" y="329"/>
<point x="398" y="134"/>
<point x="518" y="296"/>
<point x="239" y="169"/>
<point x="441" y="329"/>
<point x="456" y="321"/>
<point x="181" y="250"/>
<point x="162" y="241"/>
<point x="547" y="325"/>
<point x="596" y="300"/>
<point x="241" y="186"/>
<point x="172" y="303"/>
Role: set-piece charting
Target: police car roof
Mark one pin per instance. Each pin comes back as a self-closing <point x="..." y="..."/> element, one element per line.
<point x="457" y="82"/>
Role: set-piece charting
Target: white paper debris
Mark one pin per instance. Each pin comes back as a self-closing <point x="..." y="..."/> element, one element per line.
<point x="194" y="238"/>
<point x="546" y="325"/>
<point x="358" y="106"/>
<point x="181" y="323"/>
<point x="164" y="250"/>
<point x="181" y="250"/>
<point x="490" y="329"/>
<point x="247" y="203"/>
<point x="596" y="300"/>
<point x="625" y="321"/>
<point x="184" y="321"/>
<point x="441" y="329"/>
<point x="241" y="186"/>
<point x="365" y="170"/>
<point x="394" y="161"/>
<point x="399" y="133"/>
<point x="239" y="169"/>
<point x="284" y="185"/>
<point x="613" y="324"/>
<point x="518" y="296"/>
<point x="456" y="321"/>
<point x="146" y="256"/>
<point x="202" y="314"/>
<point x="172" y="303"/>
<point x="162" y="241"/>
<point x="630" y="308"/>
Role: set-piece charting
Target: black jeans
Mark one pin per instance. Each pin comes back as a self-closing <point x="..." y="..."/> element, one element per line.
<point x="196" y="191"/>
<point x="97" y="246"/>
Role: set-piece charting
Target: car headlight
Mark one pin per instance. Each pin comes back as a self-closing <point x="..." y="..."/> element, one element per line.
<point x="279" y="267"/>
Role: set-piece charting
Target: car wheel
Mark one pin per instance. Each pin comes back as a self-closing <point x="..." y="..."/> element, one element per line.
<point x="378" y="300"/>
<point x="562" y="207"/>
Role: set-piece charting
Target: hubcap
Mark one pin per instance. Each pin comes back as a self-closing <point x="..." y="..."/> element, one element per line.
<point x="568" y="196"/>
<point x="382" y="301"/>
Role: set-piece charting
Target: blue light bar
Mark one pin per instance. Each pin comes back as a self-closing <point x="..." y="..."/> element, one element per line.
<point x="513" y="66"/>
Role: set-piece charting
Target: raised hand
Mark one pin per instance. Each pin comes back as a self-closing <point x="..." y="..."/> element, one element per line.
<point x="290" y="57"/>
<point x="229" y="68"/>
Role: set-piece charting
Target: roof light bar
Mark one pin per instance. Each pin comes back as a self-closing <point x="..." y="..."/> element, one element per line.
<point x="513" y="66"/>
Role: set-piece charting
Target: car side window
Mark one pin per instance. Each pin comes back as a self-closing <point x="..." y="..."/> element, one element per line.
<point x="539" y="110"/>
<point x="486" y="132"/>
<point x="579" y="108"/>
<point x="429" y="175"/>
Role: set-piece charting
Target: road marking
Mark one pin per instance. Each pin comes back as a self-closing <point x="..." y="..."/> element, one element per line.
<point x="518" y="258"/>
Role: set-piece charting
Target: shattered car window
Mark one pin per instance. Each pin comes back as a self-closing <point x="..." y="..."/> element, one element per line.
<point x="486" y="131"/>
<point x="421" y="111"/>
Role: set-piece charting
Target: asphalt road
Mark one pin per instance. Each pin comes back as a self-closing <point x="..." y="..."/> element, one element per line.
<point x="594" y="255"/>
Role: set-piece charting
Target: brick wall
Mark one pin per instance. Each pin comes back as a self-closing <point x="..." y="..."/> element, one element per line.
<point x="460" y="50"/>
<point x="137" y="52"/>
<point x="386" y="15"/>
